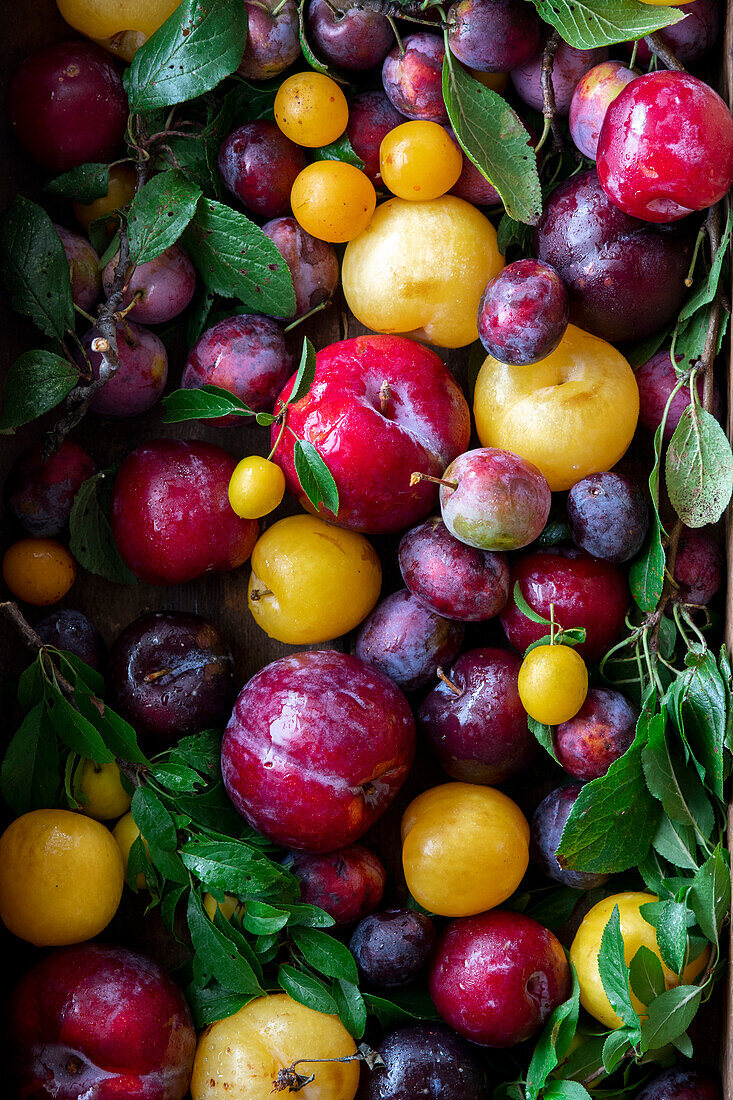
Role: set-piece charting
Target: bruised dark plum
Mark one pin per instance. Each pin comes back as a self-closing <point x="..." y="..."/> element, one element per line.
<point x="171" y="674"/>
<point x="70" y="630"/>
<point x="493" y="36"/>
<point x="569" y="65"/>
<point x="690" y="39"/>
<point x="545" y="833"/>
<point x="430" y="1061"/>
<point x="476" y="725"/>
<point x="680" y="1084"/>
<point x="608" y="516"/>
<point x="699" y="566"/>
<point x="407" y="641"/>
<point x="454" y="580"/>
<point x="313" y="264"/>
<point x="258" y="164"/>
<point x="371" y="117"/>
<point x="413" y="77"/>
<point x="347" y="36"/>
<point x="347" y="883"/>
<point x="656" y="379"/>
<point x="272" y="40"/>
<point x="600" y="733"/>
<point x="523" y="313"/>
<point x="41" y="492"/>
<point x="625" y="277"/>
<point x="393" y="946"/>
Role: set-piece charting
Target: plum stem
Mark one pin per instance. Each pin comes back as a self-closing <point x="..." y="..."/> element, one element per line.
<point x="288" y="1079"/>
<point x="417" y="477"/>
<point x="549" y="106"/>
<point x="661" y="50"/>
<point x="448" y="683"/>
<point x="385" y="394"/>
<point x="304" y="316"/>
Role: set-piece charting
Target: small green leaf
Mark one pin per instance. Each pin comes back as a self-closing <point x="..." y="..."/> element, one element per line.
<point x="613" y="970"/>
<point x="646" y="575"/>
<point x="74" y="729"/>
<point x="232" y="866"/>
<point x="401" y="1007"/>
<point x="305" y="374"/>
<point x="36" y="382"/>
<point x="585" y="24"/>
<point x="157" y="826"/>
<point x="554" y="907"/>
<point x="676" y="843"/>
<point x="177" y="777"/>
<point x="669" y="1016"/>
<point x="265" y="420"/>
<point x="84" y="184"/>
<point x="670" y="920"/>
<point x="212" y="1003"/>
<point x="524" y="607"/>
<point x="35" y="269"/>
<point x="514" y="234"/>
<point x="159" y="213"/>
<point x="710" y="893"/>
<point x="544" y="735"/>
<point x="566" y="1090"/>
<point x="351" y="1007"/>
<point x="326" y="954"/>
<point x="614" y="1049"/>
<point x="92" y="542"/>
<point x="340" y="149"/>
<point x="314" y="476"/>
<point x="306" y="990"/>
<point x="309" y="915"/>
<point x="207" y="403"/>
<point x="699" y="467"/>
<point x="262" y="919"/>
<point x="554" y="1042"/>
<point x="647" y="976"/>
<point x="706" y="292"/>
<point x="217" y="954"/>
<point x="30" y="775"/>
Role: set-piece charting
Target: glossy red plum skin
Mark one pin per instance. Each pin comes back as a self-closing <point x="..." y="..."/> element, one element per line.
<point x="313" y="264"/>
<point x="666" y="147"/>
<point x="523" y="313"/>
<point x="493" y="36"/>
<point x="98" y="1020"/>
<point x="585" y="592"/>
<point x="371" y="117"/>
<point x="413" y="78"/>
<point x="348" y="883"/>
<point x="497" y="977"/>
<point x="40" y="493"/>
<point x="598" y="735"/>
<point x="372" y="454"/>
<point x="569" y="66"/>
<point x="590" y="102"/>
<point x="258" y="165"/>
<point x="165" y="286"/>
<point x="140" y="378"/>
<point x="317" y="747"/>
<point x="480" y="735"/>
<point x="171" y="516"/>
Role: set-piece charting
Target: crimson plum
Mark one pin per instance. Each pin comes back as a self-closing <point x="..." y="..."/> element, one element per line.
<point x="246" y="355"/>
<point x="272" y="38"/>
<point x="67" y="105"/>
<point x="41" y="492"/>
<point x="496" y="977"/>
<point x="71" y="631"/>
<point x="570" y="64"/>
<point x="584" y="591"/>
<point x="347" y="884"/>
<point x="413" y="77"/>
<point x="590" y="101"/>
<point x="691" y="38"/>
<point x="392" y="946"/>
<point x="162" y="288"/>
<point x="625" y="278"/>
<point x="140" y="377"/>
<point x="493" y="36"/>
<point x="452" y="579"/>
<point x="523" y="313"/>
<point x="427" y="1060"/>
<point x="348" y="36"/>
<point x="599" y="734"/>
<point x="313" y="264"/>
<point x="680" y="1084"/>
<point x="548" y="823"/>
<point x="371" y="117"/>
<point x="258" y="164"/>
<point x="86" y="282"/>
<point x="407" y="641"/>
<point x="656" y="379"/>
<point x="474" y="720"/>
<point x="699" y="566"/>
<point x="608" y="516"/>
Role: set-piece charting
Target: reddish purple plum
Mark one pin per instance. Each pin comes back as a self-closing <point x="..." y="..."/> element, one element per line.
<point x="371" y="117"/>
<point x="86" y="282"/>
<point x="598" y="735"/>
<point x="569" y="65"/>
<point x="584" y="592"/>
<point x="317" y="747"/>
<point x="313" y="264"/>
<point x="347" y="884"/>
<point x="71" y="631"/>
<point x="494" y="500"/>
<point x="452" y="579"/>
<point x="413" y="77"/>
<point x="493" y="36"/>
<point x="348" y="36"/>
<point x="625" y="277"/>
<point x="407" y="641"/>
<point x="472" y="185"/>
<point x="162" y="288"/>
<point x="40" y="493"/>
<point x="474" y="719"/>
<point x="680" y="1083"/>
<point x="590" y="101"/>
<point x="170" y="673"/>
<point x="272" y="38"/>
<point x="67" y="105"/>
<point x="246" y="355"/>
<point x="140" y="378"/>
<point x="392" y="947"/>
<point x="430" y="1061"/>
<point x="548" y="823"/>
<point x="258" y="164"/>
<point x="690" y="39"/>
<point x="523" y="313"/>
<point x="656" y="379"/>
<point x="699" y="567"/>
<point x="608" y="515"/>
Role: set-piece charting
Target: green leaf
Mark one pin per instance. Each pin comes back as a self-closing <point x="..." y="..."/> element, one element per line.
<point x="157" y="826"/>
<point x="201" y="751"/>
<point x="544" y="735"/>
<point x="706" y="292"/>
<point x="351" y="1007"/>
<point x="236" y="260"/>
<point x="82" y="676"/>
<point x="170" y="903"/>
<point x="710" y="894"/>
<point x="91" y="542"/>
<point x="614" y="971"/>
<point x="669" y="1016"/>
<point x="588" y="23"/>
<point x="670" y="920"/>
<point x="211" y="808"/>
<point x="262" y="919"/>
<point x="680" y="792"/>
<point x="84" y="184"/>
<point x="614" y="1049"/>
<point x="646" y="974"/>
<point x="524" y="607"/>
<point x="35" y="269"/>
<point x="699" y="467"/>
<point x="514" y="234"/>
<point x="212" y="1003"/>
<point x="306" y="990"/>
<point x="217" y="954"/>
<point x="74" y="729"/>
<point x="676" y="843"/>
<point x="305" y="374"/>
<point x="177" y="777"/>
<point x="198" y="45"/>
<point x="231" y="866"/>
<point x="314" y="476"/>
<point x="36" y="382"/>
<point x="494" y="139"/>
<point x="556" y="907"/>
<point x="339" y="150"/>
<point x="646" y="575"/>
<point x="554" y="1042"/>
<point x="401" y="1008"/>
<point x="702" y="701"/>
<point x="159" y="213"/>
<point x="206" y="403"/>
<point x="117" y="734"/>
<point x="566" y="1090"/>
<point x="327" y="955"/>
<point x="30" y="775"/>
<point x="309" y="915"/>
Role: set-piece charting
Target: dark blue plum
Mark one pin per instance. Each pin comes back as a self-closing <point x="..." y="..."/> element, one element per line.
<point x="547" y="826"/>
<point x="70" y="630"/>
<point x="680" y="1084"/>
<point x="608" y="516"/>
<point x="430" y="1061"/>
<point x="493" y="36"/>
<point x="392" y="947"/>
<point x="523" y="313"/>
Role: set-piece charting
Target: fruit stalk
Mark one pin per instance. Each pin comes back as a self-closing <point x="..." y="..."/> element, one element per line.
<point x="549" y="108"/>
<point x="660" y="49"/>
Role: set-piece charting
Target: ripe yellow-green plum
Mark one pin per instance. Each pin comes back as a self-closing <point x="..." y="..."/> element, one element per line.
<point x="120" y="190"/>
<point x="38" y="571"/>
<point x="311" y="109"/>
<point x="553" y="683"/>
<point x="333" y="201"/>
<point x="100" y="784"/>
<point x="120" y="27"/>
<point x="418" y="160"/>
<point x="256" y="487"/>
